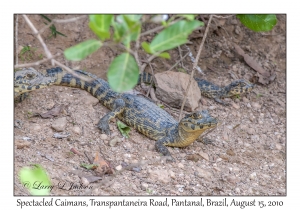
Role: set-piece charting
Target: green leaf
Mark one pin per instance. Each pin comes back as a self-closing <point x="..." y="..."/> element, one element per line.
<point x="123" y="73"/>
<point x="258" y="22"/>
<point x="188" y="17"/>
<point x="89" y="166"/>
<point x="124" y="129"/>
<point x="118" y="31"/>
<point x="130" y="28"/>
<point x="174" y="35"/>
<point x="33" y="177"/>
<point x="82" y="50"/>
<point x="100" y="25"/>
<point x="165" y="55"/>
<point x="146" y="47"/>
<point x="161" y="106"/>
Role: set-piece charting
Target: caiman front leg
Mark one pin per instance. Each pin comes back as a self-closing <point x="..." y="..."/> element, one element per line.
<point x="118" y="107"/>
<point x="161" y="148"/>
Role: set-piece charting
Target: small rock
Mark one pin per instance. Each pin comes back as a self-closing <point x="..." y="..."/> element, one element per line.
<point x="90" y="100"/>
<point x="232" y="179"/>
<point x="237" y="190"/>
<point x="234" y="22"/>
<point x="84" y="181"/>
<point x="180" y="165"/>
<point x="204" y="173"/>
<point x="151" y="147"/>
<point x="36" y="127"/>
<point x="21" y="144"/>
<point x="236" y="106"/>
<point x="119" y="168"/>
<point x="114" y="141"/>
<point x="204" y="155"/>
<point x="250" y="131"/>
<point x="160" y="175"/>
<point x="103" y="136"/>
<point x="180" y="189"/>
<point x="59" y="124"/>
<point x="278" y="146"/>
<point x="256" y="105"/>
<point x="252" y="176"/>
<point x="172" y="174"/>
<point x="245" y="99"/>
<point x="144" y="186"/>
<point x="248" y="105"/>
<point x="212" y="107"/>
<point x="230" y="152"/>
<point x="77" y="130"/>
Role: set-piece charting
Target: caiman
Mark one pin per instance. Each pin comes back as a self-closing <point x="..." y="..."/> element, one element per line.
<point x="135" y="111"/>
<point x="210" y="90"/>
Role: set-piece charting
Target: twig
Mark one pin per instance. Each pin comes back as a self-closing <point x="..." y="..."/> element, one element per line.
<point x="149" y="60"/>
<point x="61" y="21"/>
<point x="16" y="39"/>
<point x="195" y="65"/>
<point x="193" y="60"/>
<point x="177" y="62"/>
<point x="151" y="81"/>
<point x="159" y="28"/>
<point x="136" y="55"/>
<point x="50" y="56"/>
<point x="179" y="49"/>
<point x="48" y="53"/>
<point x="223" y="17"/>
<point x="36" y="63"/>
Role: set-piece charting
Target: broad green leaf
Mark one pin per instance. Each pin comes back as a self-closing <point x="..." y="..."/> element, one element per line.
<point x="258" y="22"/>
<point x="100" y="25"/>
<point x="146" y="47"/>
<point x="36" y="180"/>
<point x="188" y="17"/>
<point x="82" y="50"/>
<point x="124" y="129"/>
<point x="174" y="35"/>
<point x="165" y="55"/>
<point x="123" y="73"/>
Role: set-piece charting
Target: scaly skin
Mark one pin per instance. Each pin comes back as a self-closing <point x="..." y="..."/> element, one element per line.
<point x="135" y="111"/>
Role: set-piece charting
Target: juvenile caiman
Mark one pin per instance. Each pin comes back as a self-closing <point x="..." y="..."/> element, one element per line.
<point x="135" y="111"/>
<point x="210" y="90"/>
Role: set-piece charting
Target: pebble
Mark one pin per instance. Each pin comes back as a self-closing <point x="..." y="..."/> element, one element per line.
<point x="159" y="175"/>
<point x="203" y="173"/>
<point x="59" y="124"/>
<point x="252" y="176"/>
<point x="21" y="144"/>
<point x="77" y="130"/>
<point x="255" y="105"/>
<point x="37" y="127"/>
<point x="204" y="155"/>
<point x="237" y="190"/>
<point x="172" y="174"/>
<point x="250" y="131"/>
<point x="103" y="136"/>
<point x="236" y="106"/>
<point x="180" y="165"/>
<point x="278" y="146"/>
<point x="248" y="105"/>
<point x="119" y="168"/>
<point x="212" y="107"/>
<point x="84" y="181"/>
<point x="114" y="141"/>
<point x="246" y="100"/>
<point x="144" y="186"/>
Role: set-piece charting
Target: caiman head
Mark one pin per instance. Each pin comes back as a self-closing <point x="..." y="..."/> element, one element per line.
<point x="193" y="125"/>
<point x="29" y="79"/>
<point x="238" y="87"/>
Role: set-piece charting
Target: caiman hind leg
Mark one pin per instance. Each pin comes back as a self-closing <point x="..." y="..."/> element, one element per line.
<point x="118" y="107"/>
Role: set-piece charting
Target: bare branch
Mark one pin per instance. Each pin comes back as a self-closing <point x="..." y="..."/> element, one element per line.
<point x="159" y="28"/>
<point x="195" y="65"/>
<point x="223" y="17"/>
<point x="36" y="63"/>
<point x="178" y="62"/>
<point x="48" y="53"/>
